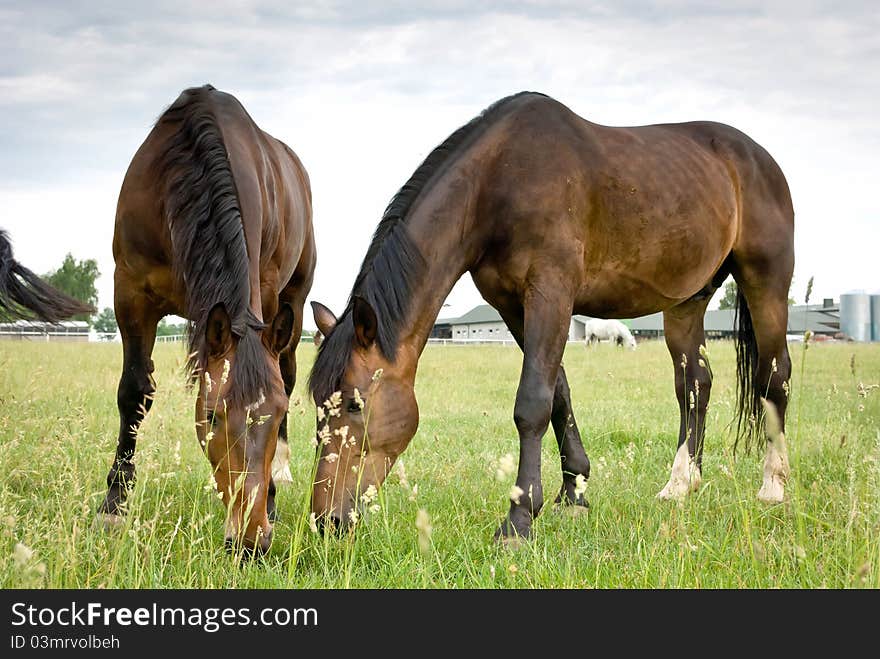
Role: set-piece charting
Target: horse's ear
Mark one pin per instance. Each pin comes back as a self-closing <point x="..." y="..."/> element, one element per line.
<point x="324" y="318"/>
<point x="365" y="323"/>
<point x="218" y="331"/>
<point x="282" y="329"/>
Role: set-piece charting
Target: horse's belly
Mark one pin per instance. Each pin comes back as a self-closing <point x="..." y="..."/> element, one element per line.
<point x="656" y="243"/>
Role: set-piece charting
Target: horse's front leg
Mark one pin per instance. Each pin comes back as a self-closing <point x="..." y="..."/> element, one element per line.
<point x="545" y="332"/>
<point x="137" y="318"/>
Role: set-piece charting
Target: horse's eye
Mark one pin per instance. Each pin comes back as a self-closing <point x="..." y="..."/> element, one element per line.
<point x="353" y="407"/>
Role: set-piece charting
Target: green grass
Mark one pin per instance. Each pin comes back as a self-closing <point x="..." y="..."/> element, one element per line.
<point x="58" y="425"/>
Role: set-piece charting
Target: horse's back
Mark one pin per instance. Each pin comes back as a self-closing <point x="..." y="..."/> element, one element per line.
<point x="625" y="204"/>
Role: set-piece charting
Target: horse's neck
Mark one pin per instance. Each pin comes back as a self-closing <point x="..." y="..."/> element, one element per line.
<point x="442" y="226"/>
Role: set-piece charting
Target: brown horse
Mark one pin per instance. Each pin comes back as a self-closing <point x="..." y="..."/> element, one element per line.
<point x="214" y="224"/>
<point x="554" y="215"/>
<point x="24" y="295"/>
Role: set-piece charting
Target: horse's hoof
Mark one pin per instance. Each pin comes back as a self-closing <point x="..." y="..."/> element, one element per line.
<point x="771" y="493"/>
<point x="282" y="475"/>
<point x="108" y="522"/>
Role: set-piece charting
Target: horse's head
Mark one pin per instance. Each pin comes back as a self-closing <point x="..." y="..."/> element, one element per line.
<point x="366" y="413"/>
<point x="237" y="426"/>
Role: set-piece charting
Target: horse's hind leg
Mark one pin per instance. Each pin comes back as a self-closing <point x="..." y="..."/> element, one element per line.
<point x="571" y="448"/>
<point x="137" y="318"/>
<point x="295" y="296"/>
<point x="683" y="329"/>
<point x="281" y="460"/>
<point x="766" y="295"/>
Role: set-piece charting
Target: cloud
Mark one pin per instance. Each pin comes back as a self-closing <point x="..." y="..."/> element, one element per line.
<point x="363" y="91"/>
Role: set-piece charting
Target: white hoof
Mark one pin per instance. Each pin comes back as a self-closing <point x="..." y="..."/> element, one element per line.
<point x="685" y="476"/>
<point x="281" y="464"/>
<point x="776" y="471"/>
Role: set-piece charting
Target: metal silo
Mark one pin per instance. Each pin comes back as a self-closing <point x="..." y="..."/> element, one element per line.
<point x="875" y="316"/>
<point x="855" y="315"/>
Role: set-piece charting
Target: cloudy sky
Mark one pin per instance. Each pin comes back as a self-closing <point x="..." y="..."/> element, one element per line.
<point x="362" y="91"/>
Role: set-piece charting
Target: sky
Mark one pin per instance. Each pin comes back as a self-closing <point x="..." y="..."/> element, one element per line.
<point x="363" y="91"/>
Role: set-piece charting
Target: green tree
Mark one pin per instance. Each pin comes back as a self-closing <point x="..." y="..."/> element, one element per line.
<point x="728" y="300"/>
<point x="77" y="279"/>
<point x="165" y="329"/>
<point x="105" y="322"/>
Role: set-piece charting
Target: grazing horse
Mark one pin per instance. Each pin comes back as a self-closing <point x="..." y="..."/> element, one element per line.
<point x="600" y="329"/>
<point x="214" y="223"/>
<point x="24" y="295"/>
<point x="553" y="215"/>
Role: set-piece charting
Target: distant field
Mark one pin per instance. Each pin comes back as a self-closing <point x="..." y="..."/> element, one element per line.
<point x="58" y="426"/>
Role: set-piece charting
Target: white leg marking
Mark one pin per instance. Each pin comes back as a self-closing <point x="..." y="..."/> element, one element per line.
<point x="776" y="468"/>
<point x="281" y="464"/>
<point x="685" y="476"/>
<point x="776" y="471"/>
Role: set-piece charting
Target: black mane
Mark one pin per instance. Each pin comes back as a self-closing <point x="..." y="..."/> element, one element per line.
<point x="207" y="235"/>
<point x="393" y="264"/>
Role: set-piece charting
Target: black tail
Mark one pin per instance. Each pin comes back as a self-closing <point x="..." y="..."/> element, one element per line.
<point x="748" y="398"/>
<point x="24" y="295"/>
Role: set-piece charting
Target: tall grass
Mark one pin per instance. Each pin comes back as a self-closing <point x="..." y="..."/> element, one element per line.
<point x="58" y="426"/>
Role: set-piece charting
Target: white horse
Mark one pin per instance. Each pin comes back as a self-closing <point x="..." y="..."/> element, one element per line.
<point x="599" y="329"/>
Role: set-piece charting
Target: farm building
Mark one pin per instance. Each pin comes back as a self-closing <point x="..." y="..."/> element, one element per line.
<point x="483" y="323"/>
<point x="24" y="330"/>
<point x="820" y="319"/>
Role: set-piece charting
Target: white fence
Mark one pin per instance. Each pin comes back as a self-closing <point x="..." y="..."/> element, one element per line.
<point x="171" y="338"/>
<point x="14" y="335"/>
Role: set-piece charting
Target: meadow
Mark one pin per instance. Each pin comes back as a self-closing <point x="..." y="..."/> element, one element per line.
<point x="58" y="426"/>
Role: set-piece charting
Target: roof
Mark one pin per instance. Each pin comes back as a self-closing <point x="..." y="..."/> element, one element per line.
<point x="483" y="313"/>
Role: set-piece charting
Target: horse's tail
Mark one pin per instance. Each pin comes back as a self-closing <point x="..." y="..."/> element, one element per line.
<point x="24" y="295"/>
<point x="748" y="398"/>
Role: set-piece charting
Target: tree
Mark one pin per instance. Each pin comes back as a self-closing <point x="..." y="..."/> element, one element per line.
<point x="77" y="279"/>
<point x="164" y="329"/>
<point x="105" y="322"/>
<point x="728" y="300"/>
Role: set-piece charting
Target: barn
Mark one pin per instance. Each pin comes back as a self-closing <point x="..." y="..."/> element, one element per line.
<point x="484" y="324"/>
